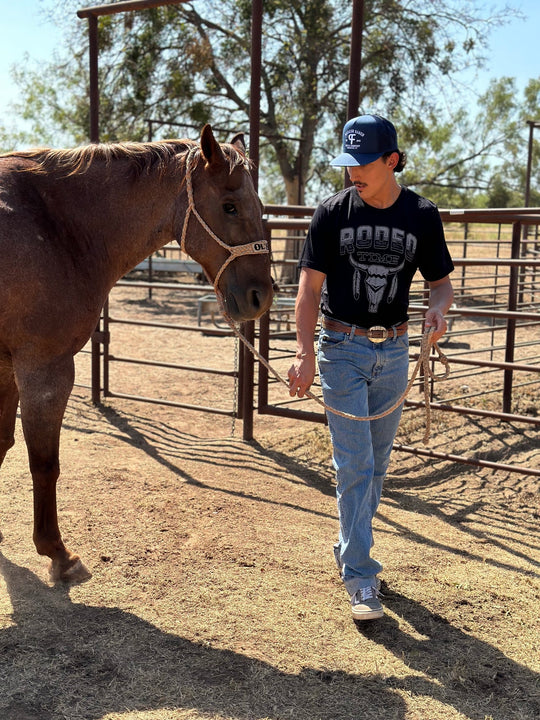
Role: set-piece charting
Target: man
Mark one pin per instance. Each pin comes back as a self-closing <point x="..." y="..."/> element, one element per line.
<point x="362" y="249"/>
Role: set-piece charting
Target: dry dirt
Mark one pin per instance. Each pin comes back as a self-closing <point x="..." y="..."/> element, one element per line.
<point x="214" y="593"/>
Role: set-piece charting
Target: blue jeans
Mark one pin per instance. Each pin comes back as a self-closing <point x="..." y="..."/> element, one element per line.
<point x="361" y="378"/>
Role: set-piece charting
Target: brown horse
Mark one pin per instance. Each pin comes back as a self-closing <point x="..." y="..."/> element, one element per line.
<point x="72" y="222"/>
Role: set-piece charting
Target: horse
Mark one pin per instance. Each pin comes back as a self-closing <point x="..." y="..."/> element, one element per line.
<point x="72" y="223"/>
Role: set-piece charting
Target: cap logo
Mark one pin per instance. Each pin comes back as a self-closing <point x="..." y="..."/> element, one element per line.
<point x="353" y="139"/>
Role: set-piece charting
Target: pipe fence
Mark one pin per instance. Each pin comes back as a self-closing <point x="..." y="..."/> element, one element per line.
<point x="493" y="343"/>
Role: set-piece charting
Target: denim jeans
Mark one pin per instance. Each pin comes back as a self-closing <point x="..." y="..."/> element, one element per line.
<point x="361" y="378"/>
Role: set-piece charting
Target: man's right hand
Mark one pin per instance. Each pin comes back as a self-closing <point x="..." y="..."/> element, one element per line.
<point x="301" y="375"/>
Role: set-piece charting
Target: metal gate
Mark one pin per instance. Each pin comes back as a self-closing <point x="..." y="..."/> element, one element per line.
<point x="497" y="296"/>
<point x="497" y="288"/>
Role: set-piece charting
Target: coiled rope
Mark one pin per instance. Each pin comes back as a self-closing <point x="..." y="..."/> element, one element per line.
<point x="423" y="363"/>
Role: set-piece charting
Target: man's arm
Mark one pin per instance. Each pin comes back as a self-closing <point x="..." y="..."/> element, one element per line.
<point x="441" y="296"/>
<point x="302" y="371"/>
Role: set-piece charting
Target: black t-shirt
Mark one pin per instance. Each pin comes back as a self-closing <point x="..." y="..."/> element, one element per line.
<point x="370" y="255"/>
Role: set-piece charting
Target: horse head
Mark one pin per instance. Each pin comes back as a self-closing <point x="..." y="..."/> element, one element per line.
<point x="228" y="240"/>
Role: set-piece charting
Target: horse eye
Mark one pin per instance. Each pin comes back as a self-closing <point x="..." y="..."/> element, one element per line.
<point x="230" y="209"/>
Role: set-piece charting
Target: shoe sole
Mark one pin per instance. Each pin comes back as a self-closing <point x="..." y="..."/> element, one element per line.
<point x="371" y="615"/>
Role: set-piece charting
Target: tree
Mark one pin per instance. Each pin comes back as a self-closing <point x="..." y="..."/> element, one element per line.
<point x="190" y="63"/>
<point x="479" y="159"/>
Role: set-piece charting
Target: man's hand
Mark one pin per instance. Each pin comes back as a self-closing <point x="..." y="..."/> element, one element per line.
<point x="435" y="319"/>
<point x="301" y="374"/>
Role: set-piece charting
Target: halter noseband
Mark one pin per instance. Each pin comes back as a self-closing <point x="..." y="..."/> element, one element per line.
<point x="254" y="248"/>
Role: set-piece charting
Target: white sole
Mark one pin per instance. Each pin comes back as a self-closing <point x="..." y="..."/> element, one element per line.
<point x="373" y="615"/>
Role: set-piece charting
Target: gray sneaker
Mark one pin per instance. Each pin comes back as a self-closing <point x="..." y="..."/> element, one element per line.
<point x="365" y="604"/>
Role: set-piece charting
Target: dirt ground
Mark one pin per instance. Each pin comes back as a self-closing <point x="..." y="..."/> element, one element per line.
<point x="214" y="593"/>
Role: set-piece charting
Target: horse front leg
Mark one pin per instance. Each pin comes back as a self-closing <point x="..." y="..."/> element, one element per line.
<point x="44" y="393"/>
<point x="9" y="400"/>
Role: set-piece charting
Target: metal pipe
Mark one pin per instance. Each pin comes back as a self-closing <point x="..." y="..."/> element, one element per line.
<point x="532" y="124"/>
<point x="245" y="397"/>
<point x="171" y="403"/>
<point x="461" y="410"/>
<point x="511" y="323"/>
<point x="466" y="461"/>
<point x="172" y="366"/>
<point x="492" y="215"/>
<point x="355" y="64"/>
<point x="93" y="53"/>
<point x="170" y="326"/>
<point x="94" y="138"/>
<point x="255" y="87"/>
<point x="355" y="57"/>
<point x="124" y="6"/>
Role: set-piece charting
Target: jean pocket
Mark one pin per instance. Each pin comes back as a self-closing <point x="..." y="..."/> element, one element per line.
<point x="330" y="338"/>
<point x="403" y="341"/>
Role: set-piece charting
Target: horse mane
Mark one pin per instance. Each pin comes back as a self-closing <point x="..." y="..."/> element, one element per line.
<point x="142" y="158"/>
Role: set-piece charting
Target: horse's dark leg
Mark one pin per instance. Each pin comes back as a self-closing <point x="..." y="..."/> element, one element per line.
<point x="9" y="399"/>
<point x="44" y="392"/>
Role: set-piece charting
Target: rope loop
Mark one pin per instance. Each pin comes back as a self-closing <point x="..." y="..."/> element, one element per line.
<point x="423" y="363"/>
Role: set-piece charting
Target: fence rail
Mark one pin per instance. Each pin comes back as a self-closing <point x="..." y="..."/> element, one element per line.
<point x="493" y="342"/>
<point x="497" y="315"/>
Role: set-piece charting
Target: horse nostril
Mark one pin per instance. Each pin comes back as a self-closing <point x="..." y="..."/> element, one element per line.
<point x="256" y="299"/>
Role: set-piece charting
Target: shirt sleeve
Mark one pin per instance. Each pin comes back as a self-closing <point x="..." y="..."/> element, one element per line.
<point x="315" y="252"/>
<point x="434" y="261"/>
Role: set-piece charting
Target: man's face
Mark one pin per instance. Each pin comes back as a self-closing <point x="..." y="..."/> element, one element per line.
<point x="374" y="180"/>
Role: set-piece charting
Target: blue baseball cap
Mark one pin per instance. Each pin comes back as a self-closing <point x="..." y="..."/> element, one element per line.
<point x="365" y="139"/>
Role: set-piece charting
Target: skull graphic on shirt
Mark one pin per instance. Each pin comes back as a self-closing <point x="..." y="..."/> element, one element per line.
<point x="376" y="279"/>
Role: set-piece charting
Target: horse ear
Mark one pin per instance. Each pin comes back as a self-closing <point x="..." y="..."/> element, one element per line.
<point x="210" y="148"/>
<point x="239" y="142"/>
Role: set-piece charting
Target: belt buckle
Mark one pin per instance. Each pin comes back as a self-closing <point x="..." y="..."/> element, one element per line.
<point x="375" y="338"/>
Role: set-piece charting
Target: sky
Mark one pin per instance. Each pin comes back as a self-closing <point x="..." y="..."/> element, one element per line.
<point x="23" y="30"/>
<point x="513" y="48"/>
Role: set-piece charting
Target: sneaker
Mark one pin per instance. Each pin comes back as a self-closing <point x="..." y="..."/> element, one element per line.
<point x="365" y="604"/>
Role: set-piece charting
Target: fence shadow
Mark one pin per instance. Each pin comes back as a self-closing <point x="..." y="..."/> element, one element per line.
<point x="458" y="669"/>
<point x="70" y="660"/>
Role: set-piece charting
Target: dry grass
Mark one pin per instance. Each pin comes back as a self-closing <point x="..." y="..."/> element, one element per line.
<point x="214" y="593"/>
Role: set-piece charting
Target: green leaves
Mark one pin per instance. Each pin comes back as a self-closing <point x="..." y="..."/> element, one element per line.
<point x="190" y="64"/>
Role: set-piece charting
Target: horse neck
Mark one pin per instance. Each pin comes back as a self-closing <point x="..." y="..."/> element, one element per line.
<point x="114" y="222"/>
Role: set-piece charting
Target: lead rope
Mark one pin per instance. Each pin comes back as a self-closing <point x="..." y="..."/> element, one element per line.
<point x="262" y="247"/>
<point x="423" y="363"/>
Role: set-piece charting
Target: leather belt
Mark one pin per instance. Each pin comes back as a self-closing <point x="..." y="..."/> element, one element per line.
<point x="377" y="333"/>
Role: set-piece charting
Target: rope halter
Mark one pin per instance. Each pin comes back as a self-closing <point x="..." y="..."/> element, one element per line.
<point x="254" y="248"/>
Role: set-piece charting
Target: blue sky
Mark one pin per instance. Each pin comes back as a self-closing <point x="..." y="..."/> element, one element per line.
<point x="23" y="31"/>
<point x="513" y="48"/>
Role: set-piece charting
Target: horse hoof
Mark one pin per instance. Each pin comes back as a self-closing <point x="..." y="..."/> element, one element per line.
<point x="75" y="573"/>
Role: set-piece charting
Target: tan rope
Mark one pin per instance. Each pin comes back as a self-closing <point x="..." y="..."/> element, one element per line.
<point x="423" y="363"/>
<point x="262" y="247"/>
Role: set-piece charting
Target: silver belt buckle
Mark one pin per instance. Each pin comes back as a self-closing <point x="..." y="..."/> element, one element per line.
<point x="374" y="338"/>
